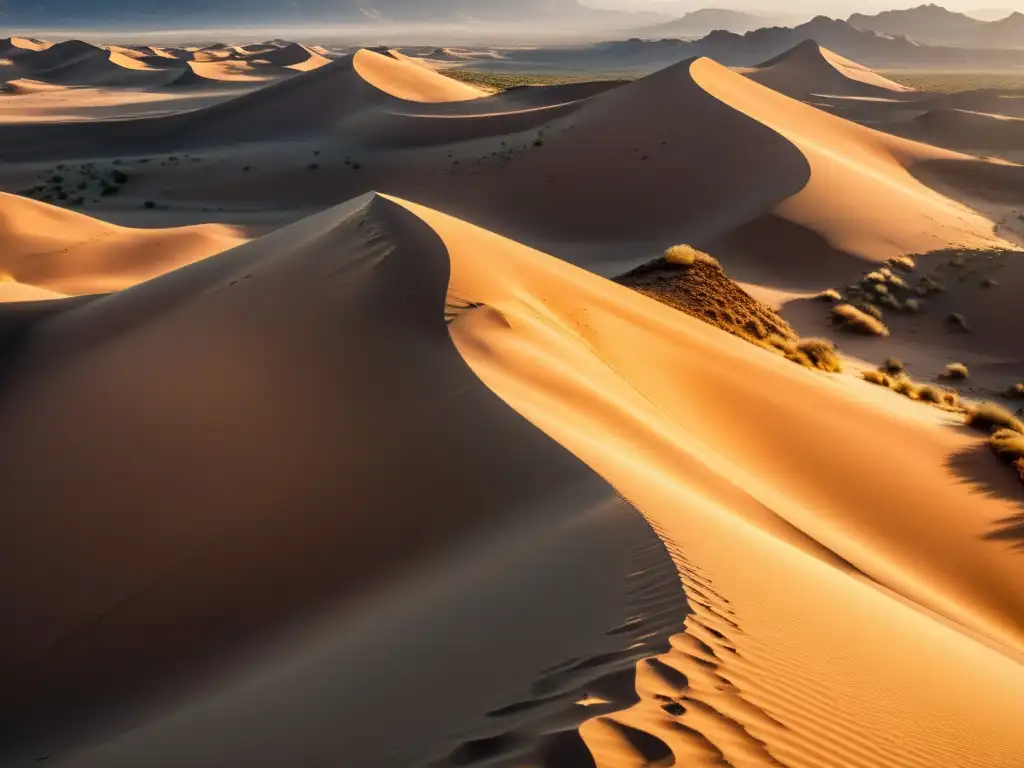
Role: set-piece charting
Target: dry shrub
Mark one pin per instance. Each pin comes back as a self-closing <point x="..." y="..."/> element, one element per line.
<point x="990" y="417"/>
<point x="848" y="317"/>
<point x="1016" y="391"/>
<point x="893" y="365"/>
<point x="906" y="387"/>
<point x="955" y="371"/>
<point x="876" y="377"/>
<point x="831" y="295"/>
<point x="816" y="353"/>
<point x="871" y="309"/>
<point x="903" y="262"/>
<point x="1007" y="444"/>
<point x="913" y="306"/>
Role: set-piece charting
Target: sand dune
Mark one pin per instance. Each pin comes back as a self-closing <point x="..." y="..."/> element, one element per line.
<point x="798" y="583"/>
<point x="810" y="69"/>
<point x="77" y="63"/>
<point x="44" y="247"/>
<point x="300" y="304"/>
<point x="969" y="130"/>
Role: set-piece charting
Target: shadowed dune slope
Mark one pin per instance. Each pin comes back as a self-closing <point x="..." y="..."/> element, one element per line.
<point x="45" y="248"/>
<point x="302" y="434"/>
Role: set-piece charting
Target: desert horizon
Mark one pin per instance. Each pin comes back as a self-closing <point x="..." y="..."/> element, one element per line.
<point x="548" y="386"/>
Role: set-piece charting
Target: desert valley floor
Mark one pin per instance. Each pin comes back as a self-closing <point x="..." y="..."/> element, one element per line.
<point x="351" y="414"/>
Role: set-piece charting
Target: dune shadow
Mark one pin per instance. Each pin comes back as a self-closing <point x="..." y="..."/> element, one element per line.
<point x="982" y="471"/>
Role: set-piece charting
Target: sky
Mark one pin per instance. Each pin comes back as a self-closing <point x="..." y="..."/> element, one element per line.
<point x="834" y="8"/>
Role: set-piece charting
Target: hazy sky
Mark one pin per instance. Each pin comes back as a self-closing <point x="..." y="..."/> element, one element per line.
<point x="803" y="7"/>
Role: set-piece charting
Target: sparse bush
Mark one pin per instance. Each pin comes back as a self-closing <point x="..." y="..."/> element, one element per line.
<point x="870" y="309"/>
<point x="989" y="417"/>
<point x="1007" y="444"/>
<point x="848" y="317"/>
<point x="957" y="322"/>
<point x="149" y="205"/>
<point x="955" y="371"/>
<point x="906" y="387"/>
<point x="831" y="295"/>
<point x="816" y="353"/>
<point x="119" y="177"/>
<point x="876" y="377"/>
<point x="988" y="282"/>
<point x="1016" y="391"/>
<point x="892" y="365"/>
<point x="913" y="306"/>
<point x="891" y="302"/>
<point x="929" y="393"/>
<point x="905" y="263"/>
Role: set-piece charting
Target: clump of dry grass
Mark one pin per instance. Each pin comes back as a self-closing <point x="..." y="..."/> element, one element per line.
<point x="1016" y="391"/>
<point x="686" y="256"/>
<point x="848" y="317"/>
<point x="913" y="306"/>
<point x="831" y="295"/>
<point x="955" y="372"/>
<point x="902" y="384"/>
<point x="877" y="377"/>
<point x="1009" y="446"/>
<point x="892" y="365"/>
<point x="870" y="309"/>
<point x="905" y="263"/>
<point x="815" y="353"/>
<point x="991" y="417"/>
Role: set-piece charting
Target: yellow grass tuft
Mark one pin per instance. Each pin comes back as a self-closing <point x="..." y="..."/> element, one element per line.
<point x="848" y="317"/>
<point x="815" y="353"/>
<point x="955" y="371"/>
<point x="903" y="262"/>
<point x="991" y="417"/>
<point x="877" y="377"/>
<point x="686" y="255"/>
<point x="830" y="295"/>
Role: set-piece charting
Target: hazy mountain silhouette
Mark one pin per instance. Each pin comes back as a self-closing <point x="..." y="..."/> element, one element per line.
<point x="704" y="21"/>
<point x="936" y="25"/>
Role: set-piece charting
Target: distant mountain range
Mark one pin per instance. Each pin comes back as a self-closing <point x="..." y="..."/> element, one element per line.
<point x="936" y="25"/>
<point x="706" y="20"/>
<point x="180" y="13"/>
<point x="869" y="48"/>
